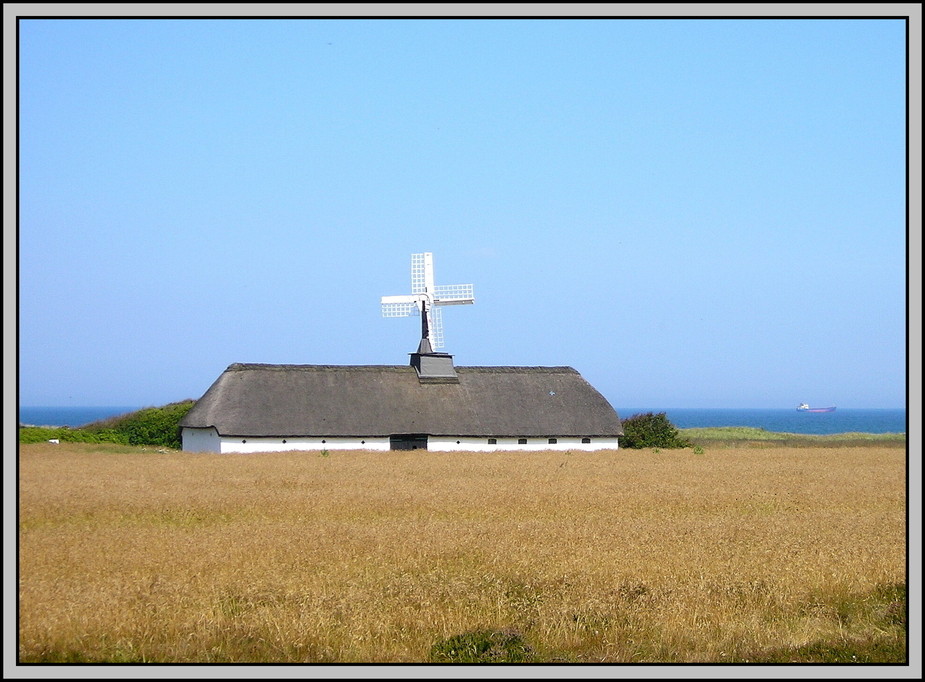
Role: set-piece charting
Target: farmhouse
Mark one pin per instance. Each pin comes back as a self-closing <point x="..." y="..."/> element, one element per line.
<point x="427" y="405"/>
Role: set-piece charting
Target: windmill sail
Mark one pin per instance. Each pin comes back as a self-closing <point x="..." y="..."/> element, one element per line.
<point x="426" y="298"/>
<point x="420" y="264"/>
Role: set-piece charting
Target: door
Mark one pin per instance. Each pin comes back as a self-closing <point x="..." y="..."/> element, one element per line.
<point x="408" y="441"/>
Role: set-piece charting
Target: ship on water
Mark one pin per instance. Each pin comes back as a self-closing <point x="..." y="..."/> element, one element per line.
<point x="804" y="407"/>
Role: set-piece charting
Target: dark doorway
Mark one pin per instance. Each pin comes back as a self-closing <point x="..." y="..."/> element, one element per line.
<point x="408" y="441"/>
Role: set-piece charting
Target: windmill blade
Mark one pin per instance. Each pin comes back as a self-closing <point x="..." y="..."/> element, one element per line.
<point x="453" y="294"/>
<point x="418" y="276"/>
<point x="398" y="309"/>
<point x="435" y="321"/>
<point x="400" y="306"/>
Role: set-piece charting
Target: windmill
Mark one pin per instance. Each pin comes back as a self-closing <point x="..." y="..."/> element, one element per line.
<point x="427" y="299"/>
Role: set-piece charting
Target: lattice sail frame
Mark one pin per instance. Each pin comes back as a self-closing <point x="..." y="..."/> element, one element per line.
<point x="419" y="267"/>
<point x="427" y="298"/>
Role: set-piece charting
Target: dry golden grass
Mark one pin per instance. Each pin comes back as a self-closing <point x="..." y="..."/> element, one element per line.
<point x="628" y="556"/>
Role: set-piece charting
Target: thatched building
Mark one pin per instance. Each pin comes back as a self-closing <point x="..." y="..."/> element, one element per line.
<point x="429" y="404"/>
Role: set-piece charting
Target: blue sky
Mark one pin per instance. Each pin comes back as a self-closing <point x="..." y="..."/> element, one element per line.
<point x="692" y="213"/>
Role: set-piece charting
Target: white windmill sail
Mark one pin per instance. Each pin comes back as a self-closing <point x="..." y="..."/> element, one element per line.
<point x="422" y="272"/>
<point x="426" y="298"/>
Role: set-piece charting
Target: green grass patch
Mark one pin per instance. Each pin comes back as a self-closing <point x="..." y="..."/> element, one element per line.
<point x="739" y="436"/>
<point x="874" y="627"/>
<point x="883" y="650"/>
<point x="41" y="434"/>
<point x="483" y="646"/>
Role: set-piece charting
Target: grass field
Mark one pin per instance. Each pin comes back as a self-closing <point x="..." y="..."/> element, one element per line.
<point x="744" y="436"/>
<point x="737" y="554"/>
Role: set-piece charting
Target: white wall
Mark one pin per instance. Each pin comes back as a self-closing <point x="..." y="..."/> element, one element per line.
<point x="252" y="444"/>
<point x="201" y="440"/>
<point x="208" y="440"/>
<point x="468" y="444"/>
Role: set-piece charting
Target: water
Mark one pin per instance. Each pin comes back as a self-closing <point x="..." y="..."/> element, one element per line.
<point x="785" y="420"/>
<point x="782" y="420"/>
<point x="68" y="416"/>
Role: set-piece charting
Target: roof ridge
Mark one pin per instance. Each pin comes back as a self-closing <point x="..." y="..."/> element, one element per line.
<point x="240" y="366"/>
<point x="519" y="368"/>
<point x="288" y="367"/>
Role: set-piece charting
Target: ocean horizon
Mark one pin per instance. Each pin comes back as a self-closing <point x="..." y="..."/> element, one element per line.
<point x="847" y="420"/>
<point x="71" y="416"/>
<point x="782" y="420"/>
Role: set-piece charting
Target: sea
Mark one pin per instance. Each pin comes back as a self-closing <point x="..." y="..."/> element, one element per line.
<point x="782" y="420"/>
<point x="69" y="416"/>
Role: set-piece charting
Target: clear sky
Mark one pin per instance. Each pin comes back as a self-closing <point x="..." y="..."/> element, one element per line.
<point x="691" y="213"/>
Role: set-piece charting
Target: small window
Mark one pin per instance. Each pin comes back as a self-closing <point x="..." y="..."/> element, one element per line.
<point x="553" y="441"/>
<point x="521" y="441"/>
<point x="585" y="440"/>
<point x="362" y="442"/>
<point x="284" y="441"/>
<point x="323" y="441"/>
<point x="457" y="442"/>
<point x="244" y="441"/>
<point x="492" y="441"/>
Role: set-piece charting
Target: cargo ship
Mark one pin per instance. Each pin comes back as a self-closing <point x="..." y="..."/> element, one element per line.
<point x="804" y="407"/>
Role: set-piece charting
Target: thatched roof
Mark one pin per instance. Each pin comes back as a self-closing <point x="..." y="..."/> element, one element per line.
<point x="381" y="400"/>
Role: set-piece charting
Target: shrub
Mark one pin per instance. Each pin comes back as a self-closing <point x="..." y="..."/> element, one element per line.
<point x="482" y="646"/>
<point x="651" y="431"/>
<point x="154" y="425"/>
<point x="150" y="426"/>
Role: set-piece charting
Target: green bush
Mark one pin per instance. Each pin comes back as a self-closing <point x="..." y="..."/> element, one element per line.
<point x="651" y="431"/>
<point x="155" y="425"/>
<point x="150" y="426"/>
